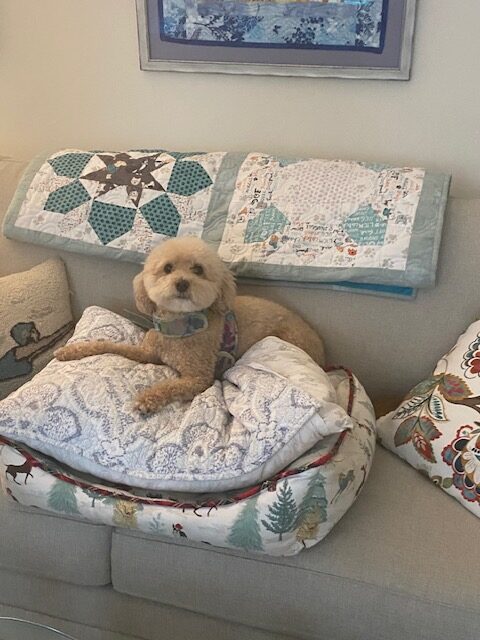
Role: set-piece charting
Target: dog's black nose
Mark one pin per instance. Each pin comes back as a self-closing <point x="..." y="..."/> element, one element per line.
<point x="182" y="285"/>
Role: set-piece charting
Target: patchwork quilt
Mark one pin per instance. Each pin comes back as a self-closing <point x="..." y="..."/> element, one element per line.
<point x="288" y="219"/>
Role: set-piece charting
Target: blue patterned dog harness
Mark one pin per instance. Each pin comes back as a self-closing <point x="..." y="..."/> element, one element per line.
<point x="189" y="324"/>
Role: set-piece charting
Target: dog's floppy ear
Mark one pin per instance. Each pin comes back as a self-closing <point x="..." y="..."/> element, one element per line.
<point x="143" y="302"/>
<point x="228" y="290"/>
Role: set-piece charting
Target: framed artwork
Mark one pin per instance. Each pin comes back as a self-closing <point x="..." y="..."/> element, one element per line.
<point x="337" y="38"/>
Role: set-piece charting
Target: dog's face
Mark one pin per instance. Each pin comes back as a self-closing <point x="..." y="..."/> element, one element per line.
<point x="183" y="275"/>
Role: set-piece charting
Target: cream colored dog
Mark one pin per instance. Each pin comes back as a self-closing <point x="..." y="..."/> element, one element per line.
<point x="183" y="278"/>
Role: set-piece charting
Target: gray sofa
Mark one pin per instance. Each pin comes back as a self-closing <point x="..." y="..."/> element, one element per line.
<point x="401" y="564"/>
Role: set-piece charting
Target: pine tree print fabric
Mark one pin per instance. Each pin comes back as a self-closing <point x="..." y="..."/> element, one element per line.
<point x="289" y="512"/>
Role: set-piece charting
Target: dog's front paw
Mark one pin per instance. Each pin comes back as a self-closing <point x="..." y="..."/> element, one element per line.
<point x="69" y="352"/>
<point x="147" y="403"/>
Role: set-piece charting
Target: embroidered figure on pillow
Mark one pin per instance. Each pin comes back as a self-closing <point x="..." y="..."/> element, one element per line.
<point x="17" y="362"/>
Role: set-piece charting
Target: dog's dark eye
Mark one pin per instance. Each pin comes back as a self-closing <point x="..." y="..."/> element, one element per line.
<point x="168" y="268"/>
<point x="197" y="269"/>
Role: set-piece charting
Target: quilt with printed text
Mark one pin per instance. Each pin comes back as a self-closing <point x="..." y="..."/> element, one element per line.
<point x="288" y="219"/>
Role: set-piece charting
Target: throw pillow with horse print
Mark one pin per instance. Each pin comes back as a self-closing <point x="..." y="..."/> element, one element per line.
<point x="35" y="319"/>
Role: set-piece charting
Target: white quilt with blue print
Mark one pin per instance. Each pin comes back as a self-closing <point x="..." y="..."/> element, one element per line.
<point x="272" y="406"/>
<point x="271" y="218"/>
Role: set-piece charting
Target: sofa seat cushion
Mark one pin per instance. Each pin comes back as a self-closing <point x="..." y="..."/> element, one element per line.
<point x="390" y="569"/>
<point x="52" y="546"/>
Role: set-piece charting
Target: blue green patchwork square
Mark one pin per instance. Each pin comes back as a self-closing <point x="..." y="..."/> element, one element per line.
<point x="70" y="165"/>
<point x="110" y="221"/>
<point x="67" y="198"/>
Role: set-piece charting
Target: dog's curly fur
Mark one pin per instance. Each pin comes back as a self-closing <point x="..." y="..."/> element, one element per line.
<point x="184" y="275"/>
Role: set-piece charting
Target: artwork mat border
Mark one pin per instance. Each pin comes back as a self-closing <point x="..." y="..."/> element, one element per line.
<point x="401" y="72"/>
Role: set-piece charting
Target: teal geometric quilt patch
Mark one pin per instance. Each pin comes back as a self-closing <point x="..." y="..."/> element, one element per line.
<point x="187" y="178"/>
<point x="267" y="222"/>
<point x="109" y="221"/>
<point x="70" y="165"/>
<point x="162" y="216"/>
<point x="67" y="198"/>
<point x="365" y="227"/>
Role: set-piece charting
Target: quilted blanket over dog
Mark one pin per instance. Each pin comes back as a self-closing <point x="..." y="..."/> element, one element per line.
<point x="272" y="406"/>
<point x="269" y="217"/>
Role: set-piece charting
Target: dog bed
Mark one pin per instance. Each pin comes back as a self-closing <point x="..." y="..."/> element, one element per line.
<point x="303" y="444"/>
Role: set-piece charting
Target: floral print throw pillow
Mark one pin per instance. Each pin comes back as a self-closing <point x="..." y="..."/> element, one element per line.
<point x="437" y="426"/>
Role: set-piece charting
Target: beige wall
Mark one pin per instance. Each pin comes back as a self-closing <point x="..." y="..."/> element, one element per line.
<point x="69" y="76"/>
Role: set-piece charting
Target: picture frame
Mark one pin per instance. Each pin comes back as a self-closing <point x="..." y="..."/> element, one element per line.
<point x="391" y="60"/>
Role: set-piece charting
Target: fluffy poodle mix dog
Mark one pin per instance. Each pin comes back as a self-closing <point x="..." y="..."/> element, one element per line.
<point x="190" y="295"/>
